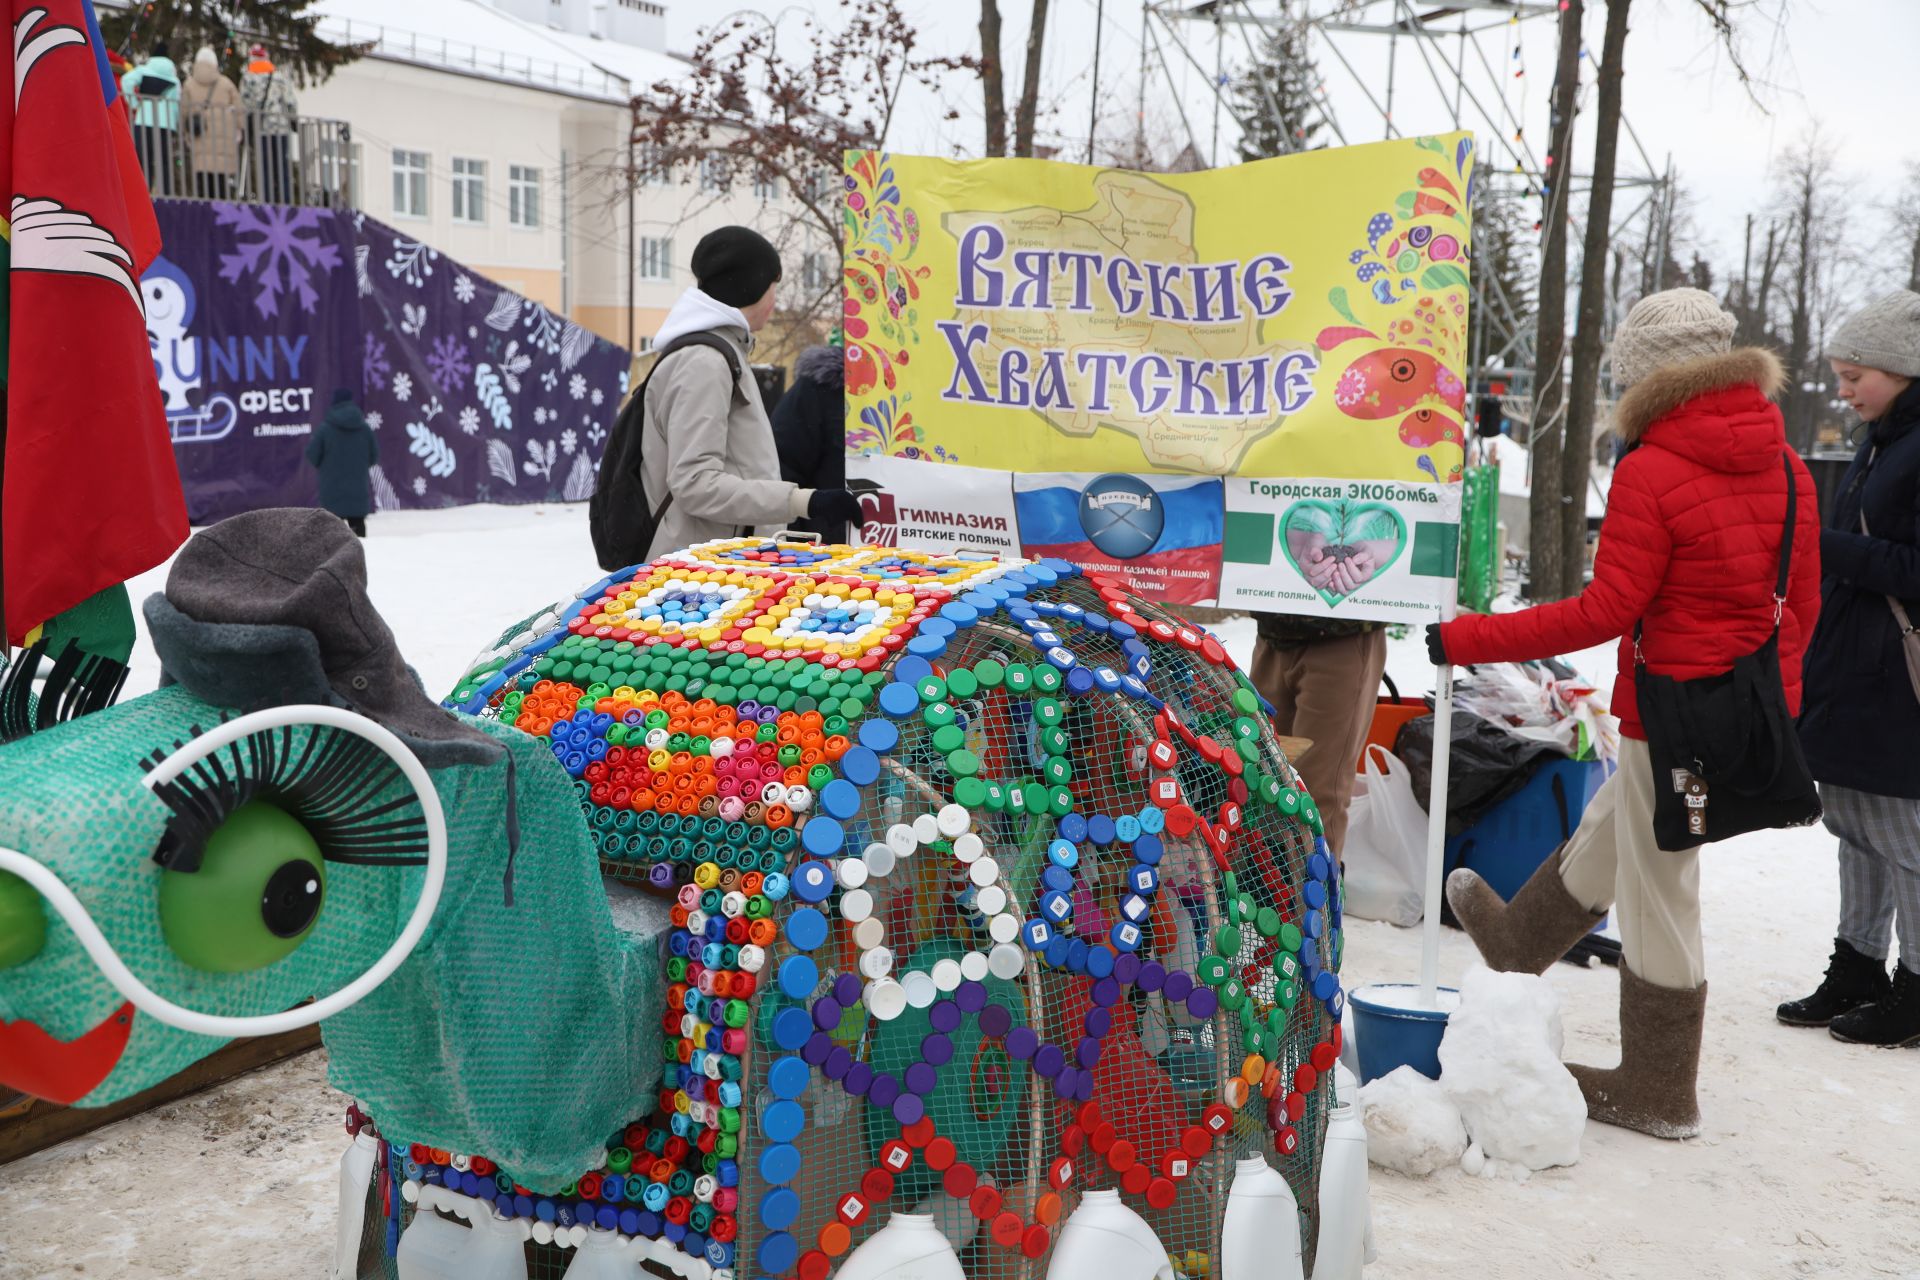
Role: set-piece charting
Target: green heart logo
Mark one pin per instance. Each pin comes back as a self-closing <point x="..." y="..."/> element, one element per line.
<point x="1340" y="546"/>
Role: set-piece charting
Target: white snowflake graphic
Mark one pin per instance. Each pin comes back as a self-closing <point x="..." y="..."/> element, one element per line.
<point x="595" y="434"/>
<point x="540" y="414"/>
<point x="463" y="287"/>
<point x="433" y="409"/>
<point x="402" y="387"/>
<point x="470" y="420"/>
<point x="549" y="379"/>
<point x="420" y="486"/>
<point x="568" y="442"/>
<point x="374" y="419"/>
<point x="472" y="332"/>
<point x="577" y="387"/>
<point x="597" y="398"/>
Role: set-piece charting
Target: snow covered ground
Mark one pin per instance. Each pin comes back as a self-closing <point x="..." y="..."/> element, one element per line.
<point x="1806" y="1168"/>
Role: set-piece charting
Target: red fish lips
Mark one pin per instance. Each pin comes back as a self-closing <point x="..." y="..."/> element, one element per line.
<point x="62" y="1071"/>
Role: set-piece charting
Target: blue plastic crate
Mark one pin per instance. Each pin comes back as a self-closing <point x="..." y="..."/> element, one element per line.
<point x="1513" y="838"/>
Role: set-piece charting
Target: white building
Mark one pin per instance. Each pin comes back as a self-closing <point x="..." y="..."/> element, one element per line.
<point x="497" y="132"/>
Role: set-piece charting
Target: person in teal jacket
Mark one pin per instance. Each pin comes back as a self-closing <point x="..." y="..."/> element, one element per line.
<point x="152" y="90"/>
<point x="343" y="450"/>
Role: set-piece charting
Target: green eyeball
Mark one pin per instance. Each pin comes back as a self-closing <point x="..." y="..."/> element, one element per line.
<point x="23" y="921"/>
<point x="255" y="897"/>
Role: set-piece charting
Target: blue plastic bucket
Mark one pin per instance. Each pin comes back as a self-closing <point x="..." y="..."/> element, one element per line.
<point x="1386" y="1037"/>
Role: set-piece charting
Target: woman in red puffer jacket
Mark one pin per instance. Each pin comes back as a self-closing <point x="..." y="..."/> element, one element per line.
<point x="1690" y="548"/>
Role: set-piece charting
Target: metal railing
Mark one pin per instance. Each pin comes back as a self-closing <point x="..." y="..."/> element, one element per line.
<point x="230" y="153"/>
<point x="413" y="46"/>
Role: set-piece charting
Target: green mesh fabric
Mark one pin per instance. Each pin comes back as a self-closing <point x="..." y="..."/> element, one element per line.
<point x="542" y="1087"/>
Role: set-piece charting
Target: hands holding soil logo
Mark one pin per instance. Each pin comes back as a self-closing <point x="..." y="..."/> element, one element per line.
<point x="1339" y="547"/>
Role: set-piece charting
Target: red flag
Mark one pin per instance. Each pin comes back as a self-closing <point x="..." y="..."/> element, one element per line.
<point x="90" y="495"/>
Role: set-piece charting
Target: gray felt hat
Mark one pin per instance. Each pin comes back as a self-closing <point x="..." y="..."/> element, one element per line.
<point x="1884" y="334"/>
<point x="271" y="608"/>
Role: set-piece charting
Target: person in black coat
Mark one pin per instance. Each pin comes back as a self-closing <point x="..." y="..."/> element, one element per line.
<point x="343" y="450"/>
<point x="810" y="431"/>
<point x="1860" y="712"/>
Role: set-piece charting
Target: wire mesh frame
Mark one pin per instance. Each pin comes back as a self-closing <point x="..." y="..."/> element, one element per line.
<point x="1200" y="693"/>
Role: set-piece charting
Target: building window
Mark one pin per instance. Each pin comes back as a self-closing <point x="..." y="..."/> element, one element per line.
<point x="714" y="174"/>
<point x="816" y="271"/>
<point x="523" y="195"/>
<point x="814" y="187"/>
<point x="469" y="190"/>
<point x="409" y="183"/>
<point x="766" y="187"/>
<point x="650" y="160"/>
<point x="656" y="258"/>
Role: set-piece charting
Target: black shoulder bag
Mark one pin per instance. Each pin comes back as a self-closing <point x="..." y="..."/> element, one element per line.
<point x="619" y="518"/>
<point x="1726" y="758"/>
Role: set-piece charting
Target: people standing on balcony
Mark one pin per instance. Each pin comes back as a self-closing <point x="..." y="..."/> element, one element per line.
<point x="210" y="123"/>
<point x="153" y="92"/>
<point x="271" y="112"/>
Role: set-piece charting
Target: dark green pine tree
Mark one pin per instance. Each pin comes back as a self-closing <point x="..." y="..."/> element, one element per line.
<point x="229" y="28"/>
<point x="1286" y="78"/>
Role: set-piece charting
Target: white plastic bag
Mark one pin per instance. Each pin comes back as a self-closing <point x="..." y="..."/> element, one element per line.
<point x="1385" y="855"/>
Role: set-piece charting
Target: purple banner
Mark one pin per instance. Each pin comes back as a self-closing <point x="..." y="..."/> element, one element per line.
<point x="257" y="312"/>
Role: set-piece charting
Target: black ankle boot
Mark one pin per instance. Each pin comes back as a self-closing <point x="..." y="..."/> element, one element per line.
<point x="1852" y="980"/>
<point x="1892" y="1022"/>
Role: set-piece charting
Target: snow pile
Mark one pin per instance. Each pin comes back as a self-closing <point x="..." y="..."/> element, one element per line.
<point x="1500" y="1063"/>
<point x="1413" y="1127"/>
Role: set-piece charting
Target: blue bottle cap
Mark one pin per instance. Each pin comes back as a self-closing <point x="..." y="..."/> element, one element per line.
<point x="791" y="1029"/>
<point x="1063" y="852"/>
<point x="1106" y="679"/>
<point x="778" y="1208"/>
<point x="1147" y="848"/>
<point x="799" y="975"/>
<point x="1073" y="827"/>
<point x="1061" y="657"/>
<point x="776" y="886"/>
<point x="1152" y="821"/>
<point x="1099" y="962"/>
<point x="812" y="881"/>
<point x="1057" y="878"/>
<point x="962" y="615"/>
<point x="911" y="670"/>
<point x="877" y="735"/>
<point x="1317" y="867"/>
<point x="1325" y="985"/>
<point x="1315" y="892"/>
<point x="1057" y="950"/>
<point x="927" y="646"/>
<point x="899" y="700"/>
<point x="1126" y="936"/>
<point x="782" y="1121"/>
<point x="1100" y="829"/>
<point x="1080" y="681"/>
<point x="1077" y="955"/>
<point x="1037" y="933"/>
<point x="777" y="1253"/>
<point x="779" y="1162"/>
<point x="1056" y="906"/>
<point x="942" y="627"/>
<point x="787" y="1077"/>
<point x="822" y="837"/>
<point x="858" y="768"/>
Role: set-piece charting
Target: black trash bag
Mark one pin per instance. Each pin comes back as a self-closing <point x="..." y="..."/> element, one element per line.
<point x="1488" y="765"/>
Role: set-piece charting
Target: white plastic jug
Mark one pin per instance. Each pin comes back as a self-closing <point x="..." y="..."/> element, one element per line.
<point x="356" y="1171"/>
<point x="1341" y="1249"/>
<point x="1346" y="1088"/>
<point x="1260" y="1235"/>
<point x="488" y="1248"/>
<point x="1105" y="1240"/>
<point x="909" y="1247"/>
<point x="604" y="1255"/>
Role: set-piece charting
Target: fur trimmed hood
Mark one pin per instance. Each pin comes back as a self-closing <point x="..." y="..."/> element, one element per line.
<point x="824" y="365"/>
<point x="1671" y="386"/>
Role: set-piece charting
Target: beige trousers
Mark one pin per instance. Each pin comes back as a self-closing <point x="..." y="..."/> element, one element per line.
<point x="1325" y="692"/>
<point x="1612" y="864"/>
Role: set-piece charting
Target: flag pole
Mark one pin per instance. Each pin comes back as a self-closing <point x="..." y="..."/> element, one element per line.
<point x="1437" y="822"/>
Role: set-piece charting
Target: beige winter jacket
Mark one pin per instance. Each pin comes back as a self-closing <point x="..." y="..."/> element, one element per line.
<point x="210" y="121"/>
<point x="708" y="440"/>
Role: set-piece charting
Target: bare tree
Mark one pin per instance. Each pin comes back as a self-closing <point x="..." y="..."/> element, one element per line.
<point x="1750" y="301"/>
<point x="993" y="80"/>
<point x="1030" y="83"/>
<point x="1813" y="208"/>
<point x="1545" y="502"/>
<point x="751" y="110"/>
<point x="1903" y="222"/>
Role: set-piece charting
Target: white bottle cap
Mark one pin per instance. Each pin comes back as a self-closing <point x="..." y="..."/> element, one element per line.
<point x="973" y="966"/>
<point x="919" y="988"/>
<point x="946" y="974"/>
<point x="856" y="905"/>
<point x="876" y="962"/>
<point x="902" y="840"/>
<point x="984" y="872"/>
<point x="886" y="999"/>
<point x="880" y="860"/>
<point x="1004" y="927"/>
<point x="992" y="900"/>
<point x="968" y="847"/>
<point x="869" y="933"/>
<point x="851" y="873"/>
<point x="954" y="820"/>
<point x="1006" y="961"/>
<point x="926" y="828"/>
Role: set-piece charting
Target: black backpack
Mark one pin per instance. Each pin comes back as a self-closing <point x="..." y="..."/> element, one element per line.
<point x="618" y="518"/>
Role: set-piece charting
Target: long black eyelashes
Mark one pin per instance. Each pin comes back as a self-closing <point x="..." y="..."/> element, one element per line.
<point x="78" y="683"/>
<point x="331" y="782"/>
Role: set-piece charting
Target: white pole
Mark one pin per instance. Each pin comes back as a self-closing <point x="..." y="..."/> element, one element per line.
<point x="1437" y="822"/>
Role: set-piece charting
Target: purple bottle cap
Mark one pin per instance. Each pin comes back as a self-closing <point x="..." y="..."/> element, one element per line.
<point x="1087" y="1052"/>
<point x="858" y="1080"/>
<point x="846" y="990"/>
<point x="1085" y="1092"/>
<point x="970" y="996"/>
<point x="1127" y="967"/>
<point x="1177" y="985"/>
<point x="920" y="1078"/>
<point x="1152" y="976"/>
<point x="837" y="1062"/>
<point x="1106" y="992"/>
<point x="816" y="1049"/>
<point x="937" y="1050"/>
<point x="1021" y="1042"/>
<point x="1065" y="1083"/>
<point x="1099" y="1022"/>
<point x="908" y="1109"/>
<point x="747" y="710"/>
<point x="944" y="1015"/>
<point x="994" y="1020"/>
<point x="1203" y="1002"/>
<point x="1048" y="1060"/>
<point x="826" y="1013"/>
<point x="884" y="1090"/>
<point x="660" y="875"/>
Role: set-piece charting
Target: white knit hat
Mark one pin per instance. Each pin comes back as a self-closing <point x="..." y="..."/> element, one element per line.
<point x="1666" y="328"/>
<point x="1884" y="334"/>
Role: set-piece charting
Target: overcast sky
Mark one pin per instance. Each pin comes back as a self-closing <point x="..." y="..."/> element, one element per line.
<point x="1851" y="65"/>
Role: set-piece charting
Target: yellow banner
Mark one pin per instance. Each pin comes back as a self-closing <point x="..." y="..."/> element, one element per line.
<point x="1298" y="317"/>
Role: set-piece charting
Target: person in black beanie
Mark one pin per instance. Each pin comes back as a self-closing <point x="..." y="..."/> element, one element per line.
<point x="718" y="475"/>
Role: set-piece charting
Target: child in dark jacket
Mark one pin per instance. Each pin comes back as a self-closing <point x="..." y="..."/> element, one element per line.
<point x="343" y="450"/>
